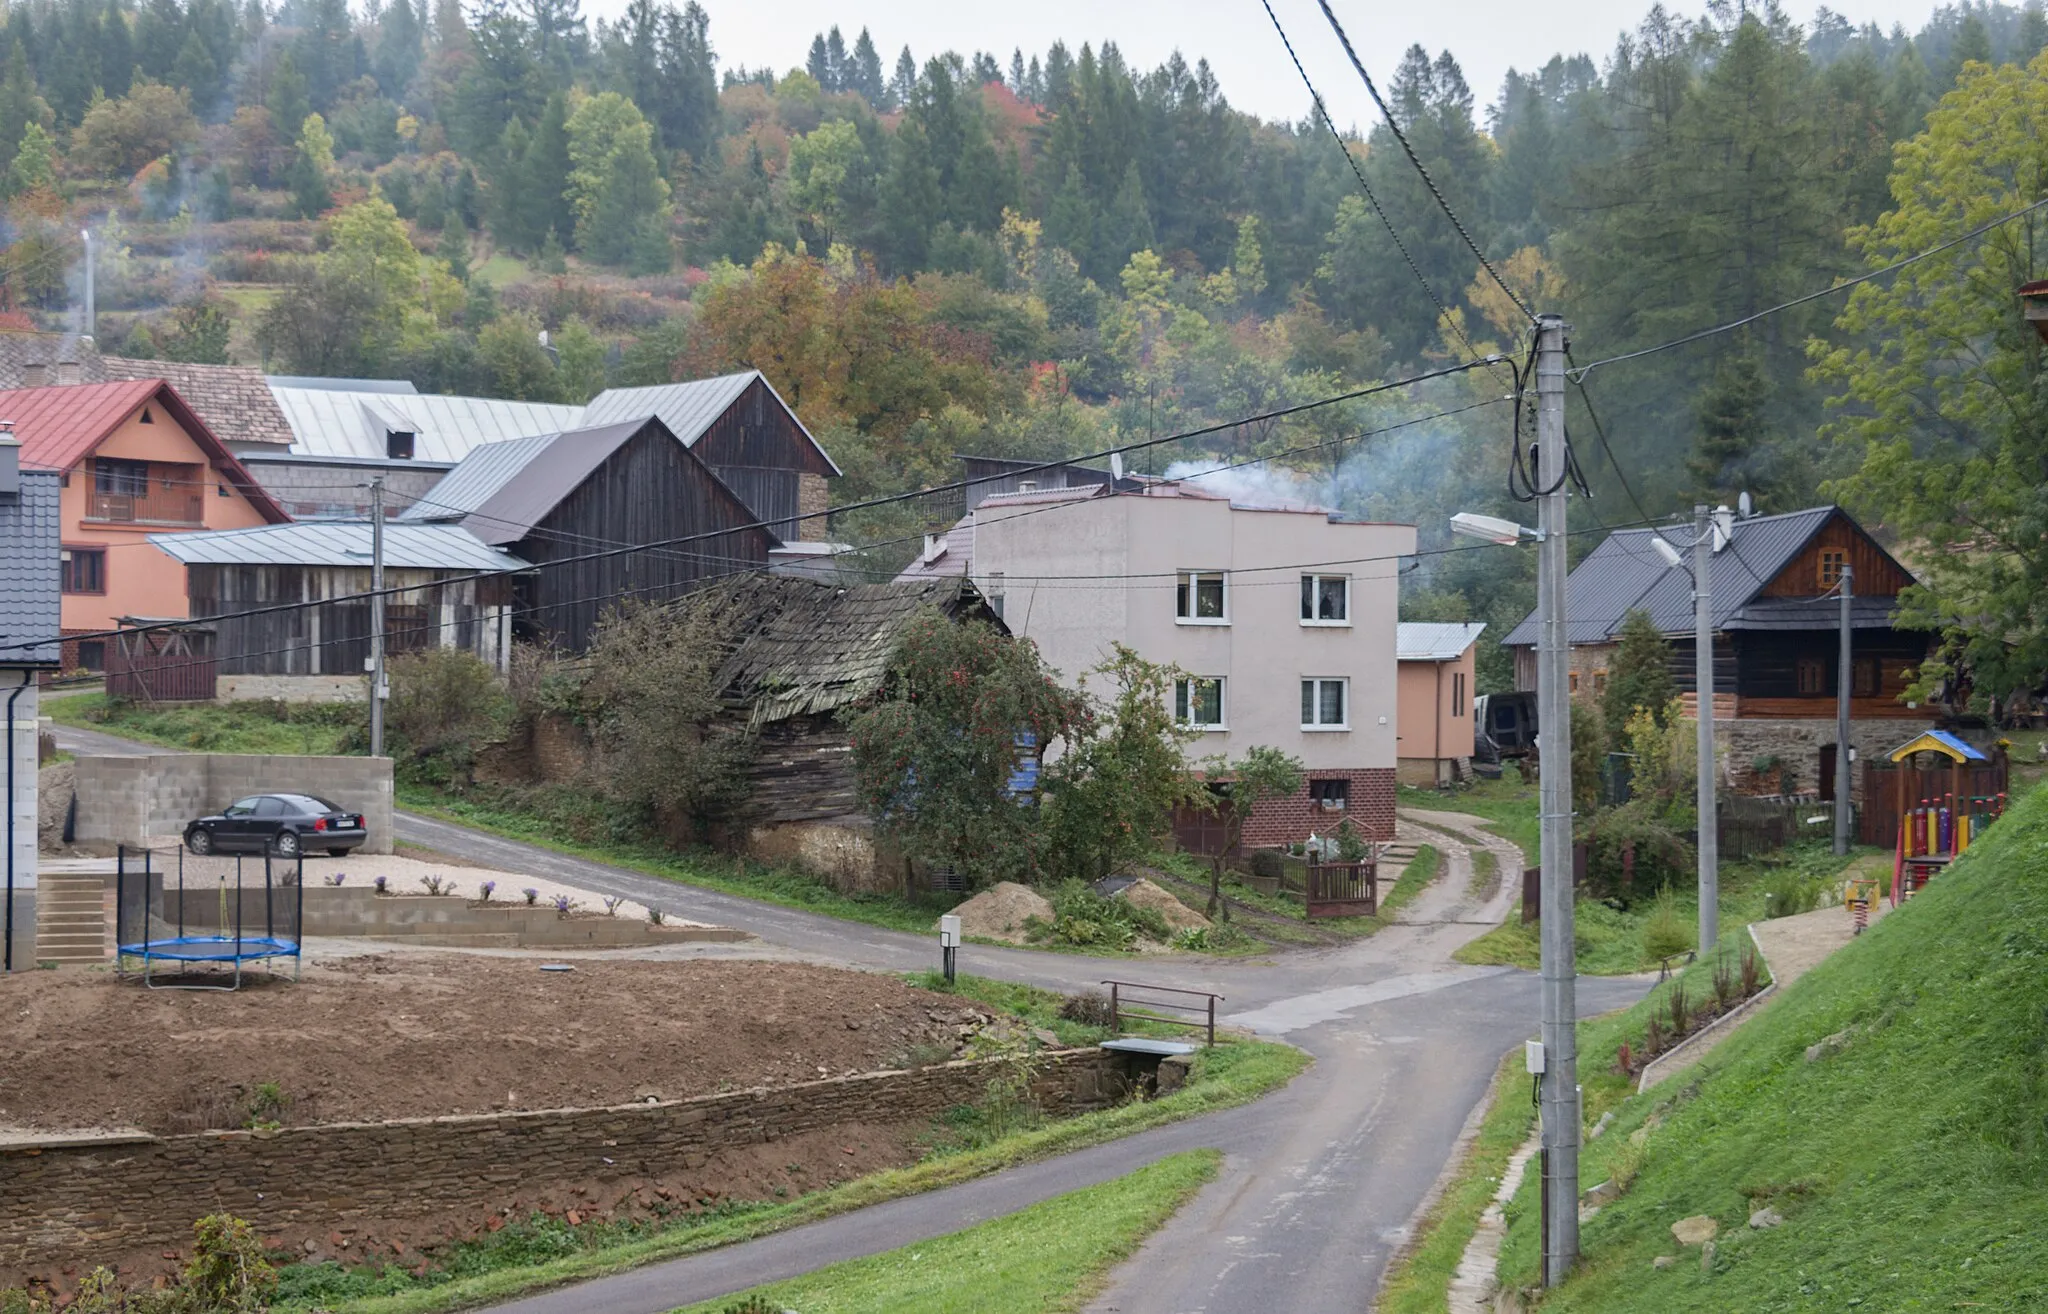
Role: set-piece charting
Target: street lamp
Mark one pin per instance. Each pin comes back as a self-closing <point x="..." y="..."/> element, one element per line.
<point x="1493" y="529"/>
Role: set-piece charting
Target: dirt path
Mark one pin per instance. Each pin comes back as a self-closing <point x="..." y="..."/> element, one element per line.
<point x="1455" y="897"/>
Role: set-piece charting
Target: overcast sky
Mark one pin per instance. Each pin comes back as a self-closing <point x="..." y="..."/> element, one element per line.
<point x="1487" y="36"/>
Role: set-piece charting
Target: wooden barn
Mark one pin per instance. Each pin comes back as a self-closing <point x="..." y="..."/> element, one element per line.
<point x="739" y="426"/>
<point x="601" y="516"/>
<point x="452" y="591"/>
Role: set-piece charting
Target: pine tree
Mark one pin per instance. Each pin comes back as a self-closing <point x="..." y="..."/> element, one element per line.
<point x="453" y="251"/>
<point x="1638" y="675"/>
<point x="33" y="168"/>
<point x="1127" y="225"/>
<point x="19" y="103"/>
<point x="2031" y="35"/>
<point x="117" y="52"/>
<point x="1017" y="82"/>
<point x="512" y="215"/>
<point x="1733" y="413"/>
<point x="819" y="63"/>
<point x="195" y="71"/>
<point x="866" y="74"/>
<point x="1070" y="219"/>
<point x="836" y="68"/>
<point x="903" y="86"/>
<point x="314" y="158"/>
<point x="287" y="101"/>
<point x="911" y="203"/>
<point x="546" y="176"/>
<point x="401" y="48"/>
<point x="1972" y="45"/>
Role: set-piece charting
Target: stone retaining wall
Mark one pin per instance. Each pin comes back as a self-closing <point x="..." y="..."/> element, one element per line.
<point x="74" y="1201"/>
<point x="455" y="920"/>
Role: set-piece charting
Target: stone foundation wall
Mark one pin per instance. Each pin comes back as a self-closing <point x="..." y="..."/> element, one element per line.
<point x="813" y="497"/>
<point x="1370" y="809"/>
<point x="843" y="851"/>
<point x="81" y="1200"/>
<point x="1797" y="744"/>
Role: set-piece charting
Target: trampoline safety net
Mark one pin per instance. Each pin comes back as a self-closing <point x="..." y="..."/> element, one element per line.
<point x="172" y="908"/>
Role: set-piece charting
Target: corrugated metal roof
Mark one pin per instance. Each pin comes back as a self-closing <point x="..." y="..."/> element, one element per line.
<point x="31" y="607"/>
<point x="401" y="386"/>
<point x="1625" y="574"/>
<point x="688" y="409"/>
<point x="338" y="543"/>
<point x="1435" y="641"/>
<point x="477" y="479"/>
<point x="339" y="422"/>
<point x="552" y="470"/>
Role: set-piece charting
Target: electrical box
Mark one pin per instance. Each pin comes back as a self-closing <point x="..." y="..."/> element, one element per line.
<point x="949" y="932"/>
<point x="1532" y="1055"/>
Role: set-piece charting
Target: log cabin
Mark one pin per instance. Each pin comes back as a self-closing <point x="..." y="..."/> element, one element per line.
<point x="1776" y="622"/>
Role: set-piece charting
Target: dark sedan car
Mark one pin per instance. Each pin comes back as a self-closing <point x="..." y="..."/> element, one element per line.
<point x="285" y="824"/>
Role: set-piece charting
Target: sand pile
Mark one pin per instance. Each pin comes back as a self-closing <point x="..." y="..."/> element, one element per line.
<point x="999" y="912"/>
<point x="1179" y="917"/>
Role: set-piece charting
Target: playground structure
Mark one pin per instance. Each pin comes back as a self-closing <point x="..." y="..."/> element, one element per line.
<point x="1938" y="828"/>
<point x="164" y="914"/>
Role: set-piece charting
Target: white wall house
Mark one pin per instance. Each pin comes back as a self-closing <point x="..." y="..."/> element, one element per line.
<point x="1284" y="621"/>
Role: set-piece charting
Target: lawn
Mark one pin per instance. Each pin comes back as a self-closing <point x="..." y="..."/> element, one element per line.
<point x="246" y="727"/>
<point x="1509" y="803"/>
<point x="1906" y="1155"/>
<point x="1050" y="1257"/>
<point x="540" y="1252"/>
<point x="1279" y="920"/>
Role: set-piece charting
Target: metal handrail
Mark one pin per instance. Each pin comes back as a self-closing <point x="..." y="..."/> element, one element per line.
<point x="1204" y="1021"/>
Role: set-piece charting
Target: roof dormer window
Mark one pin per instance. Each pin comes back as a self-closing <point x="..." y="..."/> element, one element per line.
<point x="398" y="444"/>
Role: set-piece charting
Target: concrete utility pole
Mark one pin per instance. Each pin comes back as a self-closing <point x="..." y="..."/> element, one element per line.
<point x="1703" y="695"/>
<point x="88" y="328"/>
<point x="1842" y="686"/>
<point x="1560" y="1089"/>
<point x="378" y="689"/>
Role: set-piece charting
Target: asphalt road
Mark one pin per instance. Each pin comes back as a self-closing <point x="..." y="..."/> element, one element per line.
<point x="1321" y="1180"/>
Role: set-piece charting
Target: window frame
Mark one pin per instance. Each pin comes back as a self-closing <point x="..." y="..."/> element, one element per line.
<point x="1838" y="560"/>
<point x="1312" y="582"/>
<point x="116" y="476"/>
<point x="1317" y="788"/>
<point x="1343" y="682"/>
<point x="1801" y="667"/>
<point x="1186" y="587"/>
<point x="1184" y="703"/>
<point x="1873" y="668"/>
<point x="70" y="559"/>
<point x="1457" y="694"/>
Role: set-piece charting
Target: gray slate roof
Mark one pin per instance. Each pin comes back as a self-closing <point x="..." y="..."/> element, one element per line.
<point x="1625" y="574"/>
<point x="688" y="409"/>
<point x="1435" y="641"/>
<point x="31" y="606"/>
<point x="339" y="543"/>
<point x="955" y="559"/>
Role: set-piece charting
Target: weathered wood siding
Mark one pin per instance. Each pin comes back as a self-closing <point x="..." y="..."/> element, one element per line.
<point x="802" y="770"/>
<point x="333" y="638"/>
<point x="649" y="491"/>
<point x="772" y="496"/>
<point x="755" y="431"/>
<point x="1768" y="661"/>
<point x="1876" y="574"/>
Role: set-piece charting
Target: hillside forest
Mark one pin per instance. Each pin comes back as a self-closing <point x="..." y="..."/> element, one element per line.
<point x="1050" y="253"/>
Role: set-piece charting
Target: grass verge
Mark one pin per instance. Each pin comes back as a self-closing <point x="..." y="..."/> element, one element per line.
<point x="552" y="1254"/>
<point x="1905" y="1156"/>
<point x="244" y="727"/>
<point x="1050" y="1257"/>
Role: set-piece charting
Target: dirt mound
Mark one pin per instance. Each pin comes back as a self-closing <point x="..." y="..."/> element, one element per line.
<point x="408" y="1036"/>
<point x="1179" y="917"/>
<point x="999" y="912"/>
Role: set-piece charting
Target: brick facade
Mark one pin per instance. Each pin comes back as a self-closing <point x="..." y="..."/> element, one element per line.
<point x="73" y="1201"/>
<point x="1370" y="808"/>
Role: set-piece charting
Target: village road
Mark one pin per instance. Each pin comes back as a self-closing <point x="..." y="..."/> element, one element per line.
<point x="1321" y="1180"/>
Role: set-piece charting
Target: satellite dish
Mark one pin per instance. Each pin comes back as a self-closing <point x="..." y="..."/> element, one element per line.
<point x="1743" y="506"/>
<point x="1116" y="465"/>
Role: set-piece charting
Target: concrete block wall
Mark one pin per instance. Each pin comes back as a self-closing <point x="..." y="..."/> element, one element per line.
<point x="148" y="800"/>
<point x="292" y="688"/>
<point x="75" y="1201"/>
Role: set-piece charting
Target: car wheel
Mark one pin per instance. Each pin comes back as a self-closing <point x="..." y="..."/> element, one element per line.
<point x="199" y="842"/>
<point x="337" y="853"/>
<point x="286" y="845"/>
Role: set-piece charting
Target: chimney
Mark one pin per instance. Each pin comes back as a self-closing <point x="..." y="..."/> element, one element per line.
<point x="1723" y="526"/>
<point x="67" y="373"/>
<point x="10" y="462"/>
<point x="934" y="547"/>
<point x="35" y="375"/>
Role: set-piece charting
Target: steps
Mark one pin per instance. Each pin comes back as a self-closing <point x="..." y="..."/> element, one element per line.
<point x="71" y="919"/>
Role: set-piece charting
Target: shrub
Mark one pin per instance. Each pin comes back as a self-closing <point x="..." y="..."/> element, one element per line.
<point x="751" y="1305"/>
<point x="1790" y="892"/>
<point x="1681" y="1010"/>
<point x="1666" y="933"/>
<point x="1083" y="917"/>
<point x="1725" y="983"/>
<point x="1634" y="850"/>
<point x="1088" y="1007"/>
<point x="446" y="704"/>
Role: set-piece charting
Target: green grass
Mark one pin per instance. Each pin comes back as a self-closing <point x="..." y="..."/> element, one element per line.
<point x="1421" y="870"/>
<point x="245" y="727"/>
<point x="546" y="1253"/>
<point x="1049" y="1257"/>
<point x="1508" y="803"/>
<point x="1610" y="940"/>
<point x="1294" y="930"/>
<point x="1908" y="1165"/>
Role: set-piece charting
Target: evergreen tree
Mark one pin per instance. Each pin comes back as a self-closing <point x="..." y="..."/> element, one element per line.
<point x="865" y="75"/>
<point x="311" y="162"/>
<point x="159" y="35"/>
<point x="1639" y="674"/>
<point x="903" y="85"/>
<point x="1127" y="225"/>
<point x="836" y="69"/>
<point x="911" y="203"/>
<point x="1017" y="77"/>
<point x="20" y="106"/>
<point x="1972" y="45"/>
<point x="546" y="176"/>
<point x="117" y="52"/>
<point x="818" y="63"/>
<point x="513" y="217"/>
<point x="287" y="100"/>
<point x="687" y="110"/>
<point x="1733" y="415"/>
<point x="195" y="72"/>
<point x="401" y="47"/>
<point x="33" y="168"/>
<point x="1059" y="76"/>
<point x="986" y="70"/>
<point x="1070" y="219"/>
<point x="453" y="251"/>
<point x="74" y="63"/>
<point x="2031" y="35"/>
<point x="218" y="202"/>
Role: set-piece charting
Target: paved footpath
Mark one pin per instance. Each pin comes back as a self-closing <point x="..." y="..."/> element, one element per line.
<point x="1320" y="1181"/>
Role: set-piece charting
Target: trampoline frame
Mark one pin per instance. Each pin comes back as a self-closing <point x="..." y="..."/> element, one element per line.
<point x="237" y="949"/>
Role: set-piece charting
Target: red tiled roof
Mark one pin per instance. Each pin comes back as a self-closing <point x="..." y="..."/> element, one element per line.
<point x="59" y="427"/>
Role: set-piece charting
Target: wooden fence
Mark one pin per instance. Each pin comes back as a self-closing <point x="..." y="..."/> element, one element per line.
<point x="163" y="666"/>
<point x="1878" y="819"/>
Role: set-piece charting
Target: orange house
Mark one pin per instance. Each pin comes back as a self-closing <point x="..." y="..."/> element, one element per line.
<point x="1434" y="711"/>
<point x="134" y="460"/>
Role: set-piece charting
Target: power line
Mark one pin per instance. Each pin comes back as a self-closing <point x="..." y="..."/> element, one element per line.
<point x="1582" y="371"/>
<point x="887" y="500"/>
<point x="1416" y="160"/>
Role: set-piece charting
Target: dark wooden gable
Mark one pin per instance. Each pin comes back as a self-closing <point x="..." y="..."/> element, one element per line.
<point x="1876" y="574"/>
<point x="757" y="430"/>
<point x="651" y="490"/>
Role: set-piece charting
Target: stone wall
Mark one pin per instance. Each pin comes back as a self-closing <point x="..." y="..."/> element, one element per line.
<point x="503" y="923"/>
<point x="292" y="688"/>
<point x="812" y="499"/>
<point x="1370" y="808"/>
<point x="79" y="1200"/>
<point x="141" y="800"/>
<point x="1797" y="744"/>
<point x="842" y="851"/>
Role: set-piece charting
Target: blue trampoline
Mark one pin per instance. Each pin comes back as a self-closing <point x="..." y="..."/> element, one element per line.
<point x="218" y="917"/>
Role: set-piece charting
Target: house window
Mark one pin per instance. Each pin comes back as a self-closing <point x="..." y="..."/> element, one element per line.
<point x="1599" y="682"/>
<point x="1199" y="598"/>
<point x="1575" y="681"/>
<point x="994" y="595"/>
<point x="1868" y="678"/>
<point x="1832" y="562"/>
<point x="1812" y="674"/>
<point x="111" y="478"/>
<point x="1198" y="702"/>
<point x="1325" y="704"/>
<point x="398" y="445"/>
<point x="1325" y="599"/>
<point x="92" y="654"/>
<point x="1330" y="795"/>
<point x="1457" y="693"/>
<point x="85" y="570"/>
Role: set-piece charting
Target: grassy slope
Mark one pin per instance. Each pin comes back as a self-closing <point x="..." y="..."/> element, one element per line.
<point x="1051" y="1256"/>
<point x="1908" y="1165"/>
<point x="217" y="728"/>
<point x="501" y="1267"/>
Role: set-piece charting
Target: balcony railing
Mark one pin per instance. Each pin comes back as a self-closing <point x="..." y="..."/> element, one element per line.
<point x="171" y="495"/>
